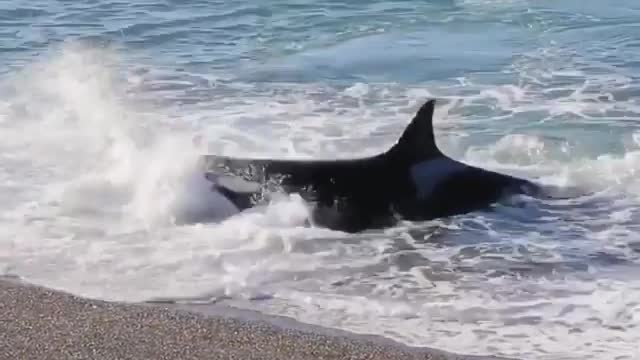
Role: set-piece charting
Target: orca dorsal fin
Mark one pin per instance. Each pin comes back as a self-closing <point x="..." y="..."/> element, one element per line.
<point x="417" y="142"/>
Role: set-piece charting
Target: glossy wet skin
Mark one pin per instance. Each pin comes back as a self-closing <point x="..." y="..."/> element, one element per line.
<point x="427" y="175"/>
<point x="418" y="182"/>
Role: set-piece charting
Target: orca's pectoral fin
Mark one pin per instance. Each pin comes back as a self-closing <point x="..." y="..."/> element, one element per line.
<point x="232" y="183"/>
<point x="234" y="188"/>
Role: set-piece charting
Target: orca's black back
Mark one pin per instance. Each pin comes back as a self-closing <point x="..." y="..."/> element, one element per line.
<point x="357" y="194"/>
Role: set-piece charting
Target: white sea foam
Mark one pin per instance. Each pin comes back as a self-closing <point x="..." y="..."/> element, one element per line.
<point x="95" y="177"/>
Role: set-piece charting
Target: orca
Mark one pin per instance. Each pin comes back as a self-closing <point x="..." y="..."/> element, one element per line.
<point x="413" y="181"/>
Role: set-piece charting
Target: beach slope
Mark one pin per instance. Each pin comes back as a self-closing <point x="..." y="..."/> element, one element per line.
<point x="39" y="323"/>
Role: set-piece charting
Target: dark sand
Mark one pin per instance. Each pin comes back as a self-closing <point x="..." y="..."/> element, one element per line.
<point x="37" y="323"/>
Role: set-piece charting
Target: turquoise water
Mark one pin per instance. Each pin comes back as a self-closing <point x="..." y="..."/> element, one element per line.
<point x="100" y="102"/>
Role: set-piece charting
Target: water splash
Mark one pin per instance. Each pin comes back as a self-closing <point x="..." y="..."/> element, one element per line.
<point x="108" y="179"/>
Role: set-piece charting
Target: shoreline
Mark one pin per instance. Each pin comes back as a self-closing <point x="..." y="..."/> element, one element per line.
<point x="41" y="323"/>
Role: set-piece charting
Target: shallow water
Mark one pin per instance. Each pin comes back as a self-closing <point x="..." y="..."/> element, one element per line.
<point x="99" y="104"/>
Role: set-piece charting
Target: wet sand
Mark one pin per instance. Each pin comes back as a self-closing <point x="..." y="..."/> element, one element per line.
<point x="38" y="323"/>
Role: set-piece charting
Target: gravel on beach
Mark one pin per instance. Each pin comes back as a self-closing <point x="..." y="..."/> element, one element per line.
<point x="38" y="323"/>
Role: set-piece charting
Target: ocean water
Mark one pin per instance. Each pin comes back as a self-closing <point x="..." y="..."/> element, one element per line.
<point x="100" y="103"/>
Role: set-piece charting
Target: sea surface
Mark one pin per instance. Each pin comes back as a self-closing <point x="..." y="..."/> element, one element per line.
<point x="106" y="105"/>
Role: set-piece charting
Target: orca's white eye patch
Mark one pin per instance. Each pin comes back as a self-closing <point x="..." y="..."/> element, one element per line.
<point x="428" y="174"/>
